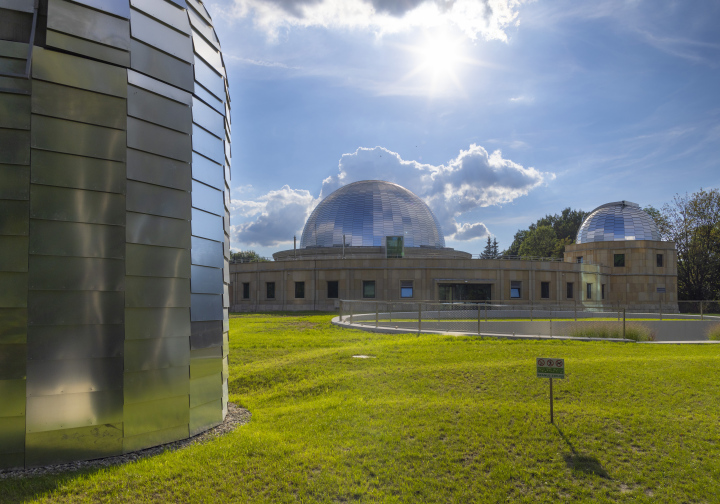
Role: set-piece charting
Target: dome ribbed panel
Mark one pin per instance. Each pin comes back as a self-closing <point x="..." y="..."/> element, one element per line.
<point x="619" y="221"/>
<point x="368" y="211"/>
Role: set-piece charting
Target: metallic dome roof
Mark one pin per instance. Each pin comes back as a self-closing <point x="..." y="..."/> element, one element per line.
<point x="368" y="211"/>
<point x="618" y="221"/>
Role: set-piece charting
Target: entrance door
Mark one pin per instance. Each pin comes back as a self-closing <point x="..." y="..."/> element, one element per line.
<point x="464" y="292"/>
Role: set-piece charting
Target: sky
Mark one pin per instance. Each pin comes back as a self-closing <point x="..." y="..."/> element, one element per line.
<point x="494" y="112"/>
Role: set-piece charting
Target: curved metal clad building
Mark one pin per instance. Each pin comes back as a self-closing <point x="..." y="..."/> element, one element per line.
<point x="618" y="221"/>
<point x="368" y="211"/>
<point x="114" y="221"/>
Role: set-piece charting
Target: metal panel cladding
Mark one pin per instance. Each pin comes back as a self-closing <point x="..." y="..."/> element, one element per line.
<point x="114" y="227"/>
<point x="368" y="211"/>
<point x="618" y="221"/>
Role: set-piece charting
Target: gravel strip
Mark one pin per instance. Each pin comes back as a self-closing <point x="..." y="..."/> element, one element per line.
<point x="236" y="416"/>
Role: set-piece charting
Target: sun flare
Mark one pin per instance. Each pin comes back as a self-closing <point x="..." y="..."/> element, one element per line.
<point x="439" y="60"/>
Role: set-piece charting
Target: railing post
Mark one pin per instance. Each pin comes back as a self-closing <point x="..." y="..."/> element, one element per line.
<point x="341" y="310"/>
<point x="701" y="311"/>
<point x="351" y="312"/>
<point x="486" y="311"/>
<point x="390" y="311"/>
<point x="660" y="304"/>
<point x="478" y="319"/>
<point x="575" y="301"/>
<point x="531" y="309"/>
<point x="419" y="317"/>
<point x="376" y="314"/>
<point x="623" y="323"/>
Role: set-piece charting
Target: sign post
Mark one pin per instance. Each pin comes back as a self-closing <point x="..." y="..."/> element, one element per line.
<point x="550" y="368"/>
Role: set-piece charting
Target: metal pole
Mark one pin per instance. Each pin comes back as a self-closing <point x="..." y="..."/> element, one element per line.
<point x="701" y="310"/>
<point x="531" y="307"/>
<point x="478" y="320"/>
<point x="485" y="311"/>
<point x="551" y="402"/>
<point x="390" y="311"/>
<point x="351" y="312"/>
<point x="419" y="317"/>
<point x="376" y="314"/>
<point x="576" y="310"/>
<point x="623" y="323"/>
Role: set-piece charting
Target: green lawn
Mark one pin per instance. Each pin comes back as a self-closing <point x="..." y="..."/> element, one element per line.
<point x="434" y="419"/>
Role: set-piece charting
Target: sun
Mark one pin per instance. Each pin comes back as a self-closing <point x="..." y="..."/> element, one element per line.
<point x="439" y="59"/>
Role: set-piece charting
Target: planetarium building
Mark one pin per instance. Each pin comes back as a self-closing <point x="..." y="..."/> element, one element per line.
<point x="374" y="240"/>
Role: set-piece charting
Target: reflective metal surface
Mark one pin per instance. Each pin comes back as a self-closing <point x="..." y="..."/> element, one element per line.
<point x="76" y="205"/>
<point x="76" y="239"/>
<point x="141" y="323"/>
<point x="77" y="20"/>
<point x="117" y="7"/>
<point x="158" y="170"/>
<point x="206" y="307"/>
<point x="155" y="139"/>
<point x="79" y="105"/>
<point x="143" y="260"/>
<point x="72" y="137"/>
<point x="206" y="280"/>
<point x="619" y="221"/>
<point x="18" y="5"/>
<point x="166" y="12"/>
<point x="145" y="59"/>
<point x="79" y="72"/>
<point x="157" y="200"/>
<point x="67" y="170"/>
<point x="14" y="182"/>
<point x="153" y="230"/>
<point x="86" y="48"/>
<point x="160" y="36"/>
<point x="158" y="87"/>
<point x="108" y="220"/>
<point x="206" y="225"/>
<point x="156" y="109"/>
<point x="207" y="252"/>
<point x="368" y="211"/>
<point x="207" y="172"/>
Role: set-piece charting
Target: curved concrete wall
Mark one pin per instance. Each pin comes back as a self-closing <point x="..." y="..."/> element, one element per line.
<point x="114" y="221"/>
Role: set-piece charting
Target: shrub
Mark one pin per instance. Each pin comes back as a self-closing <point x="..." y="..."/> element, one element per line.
<point x="633" y="331"/>
<point x="714" y="332"/>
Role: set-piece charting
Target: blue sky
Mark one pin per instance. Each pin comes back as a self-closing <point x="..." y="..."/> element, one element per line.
<point x="495" y="113"/>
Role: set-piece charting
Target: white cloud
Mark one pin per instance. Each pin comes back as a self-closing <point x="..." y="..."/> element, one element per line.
<point x="276" y="217"/>
<point x="472" y="180"/>
<point x="471" y="231"/>
<point x="476" y="18"/>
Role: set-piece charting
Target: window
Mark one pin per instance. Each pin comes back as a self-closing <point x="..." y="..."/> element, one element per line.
<point x="545" y="290"/>
<point x="580" y="259"/>
<point x="394" y="247"/>
<point x="369" y="288"/>
<point x="332" y="289"/>
<point x="589" y="291"/>
<point x="659" y="259"/>
<point x="270" y="290"/>
<point x="299" y="290"/>
<point x="602" y="291"/>
<point x="515" y="290"/>
<point x="406" y="288"/>
<point x="570" y="293"/>
<point x="619" y="260"/>
<point x="246" y="290"/>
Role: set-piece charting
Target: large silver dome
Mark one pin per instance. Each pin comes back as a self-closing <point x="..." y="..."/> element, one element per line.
<point x="368" y="211"/>
<point x="622" y="220"/>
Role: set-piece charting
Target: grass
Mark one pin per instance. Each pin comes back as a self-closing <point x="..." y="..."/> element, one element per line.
<point x="633" y="331"/>
<point x="434" y="419"/>
<point x="714" y="332"/>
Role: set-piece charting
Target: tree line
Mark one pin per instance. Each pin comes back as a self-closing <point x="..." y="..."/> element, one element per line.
<point x="692" y="221"/>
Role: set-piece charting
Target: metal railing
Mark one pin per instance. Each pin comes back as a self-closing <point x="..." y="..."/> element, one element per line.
<point x="507" y="318"/>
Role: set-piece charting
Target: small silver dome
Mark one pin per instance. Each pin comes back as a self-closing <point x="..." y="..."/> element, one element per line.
<point x="368" y="211"/>
<point x="619" y="221"/>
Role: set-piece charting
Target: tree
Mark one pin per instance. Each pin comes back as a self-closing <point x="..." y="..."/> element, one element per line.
<point x="487" y="252"/>
<point x="693" y="223"/>
<point x="495" y="249"/>
<point x="540" y="242"/>
<point x="565" y="225"/>
<point x="247" y="256"/>
<point x="660" y="221"/>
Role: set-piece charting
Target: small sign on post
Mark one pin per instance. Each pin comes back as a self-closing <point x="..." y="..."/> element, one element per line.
<point x="550" y="368"/>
